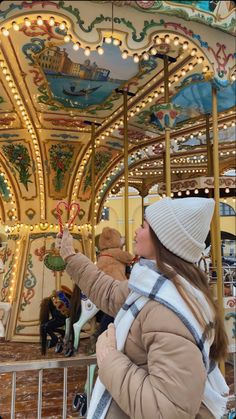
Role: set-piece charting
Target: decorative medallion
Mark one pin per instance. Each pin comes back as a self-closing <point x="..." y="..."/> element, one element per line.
<point x="165" y="115"/>
<point x="30" y="212"/>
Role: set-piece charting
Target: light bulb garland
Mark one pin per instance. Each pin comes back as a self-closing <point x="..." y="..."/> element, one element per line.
<point x="29" y="125"/>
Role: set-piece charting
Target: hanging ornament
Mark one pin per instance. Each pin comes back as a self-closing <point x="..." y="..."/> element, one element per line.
<point x="69" y="208"/>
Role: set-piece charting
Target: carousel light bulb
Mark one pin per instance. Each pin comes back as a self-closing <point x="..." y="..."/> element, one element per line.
<point x="108" y="39"/>
<point x="124" y="55"/>
<point x="176" y="41"/>
<point x="116" y="42"/>
<point x="206" y="190"/>
<point x="62" y="25"/>
<point x="39" y="21"/>
<point x="167" y="39"/>
<point x="76" y="46"/>
<point x="67" y="38"/>
<point x="15" y="26"/>
<point x="196" y="191"/>
<point x="190" y="67"/>
<point x="5" y="32"/>
<point x="176" y="78"/>
<point x="179" y="193"/>
<point x="205" y="69"/>
<point x="87" y="51"/>
<point x="136" y="58"/>
<point x="145" y="56"/>
<point x="51" y="21"/>
<point x="100" y="50"/>
<point x="185" y="45"/>
<point x="153" y="51"/>
<point x="227" y="190"/>
<point x="193" y="52"/>
<point x="183" y="72"/>
<point x="158" y="40"/>
<point x="27" y="22"/>
<point x="187" y="192"/>
<point x="200" y="60"/>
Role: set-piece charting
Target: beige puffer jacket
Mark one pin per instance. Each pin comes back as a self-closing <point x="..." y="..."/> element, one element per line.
<point x="161" y="374"/>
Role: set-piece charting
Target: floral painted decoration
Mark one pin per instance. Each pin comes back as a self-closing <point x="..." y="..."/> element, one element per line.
<point x="18" y="156"/>
<point x="60" y="160"/>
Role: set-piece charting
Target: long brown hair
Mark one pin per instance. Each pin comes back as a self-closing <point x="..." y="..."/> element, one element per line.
<point x="171" y="266"/>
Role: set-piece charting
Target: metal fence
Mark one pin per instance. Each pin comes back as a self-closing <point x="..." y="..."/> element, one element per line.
<point x="40" y="366"/>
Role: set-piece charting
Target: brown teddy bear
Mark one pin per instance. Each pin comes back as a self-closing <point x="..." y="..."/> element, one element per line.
<point x="112" y="259"/>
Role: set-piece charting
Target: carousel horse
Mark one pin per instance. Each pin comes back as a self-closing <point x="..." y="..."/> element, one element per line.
<point x="76" y="321"/>
<point x="88" y="311"/>
<point x="53" y="313"/>
<point x="64" y="313"/>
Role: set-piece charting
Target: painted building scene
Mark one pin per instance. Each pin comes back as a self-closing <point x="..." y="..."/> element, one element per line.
<point x="117" y="209"/>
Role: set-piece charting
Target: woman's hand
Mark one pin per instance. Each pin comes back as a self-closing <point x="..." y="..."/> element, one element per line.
<point x="66" y="246"/>
<point x="106" y="343"/>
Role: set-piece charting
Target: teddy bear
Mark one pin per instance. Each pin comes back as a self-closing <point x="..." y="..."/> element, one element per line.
<point x="111" y="258"/>
<point x="114" y="262"/>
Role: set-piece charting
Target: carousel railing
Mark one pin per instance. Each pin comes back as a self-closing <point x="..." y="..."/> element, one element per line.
<point x="40" y="366"/>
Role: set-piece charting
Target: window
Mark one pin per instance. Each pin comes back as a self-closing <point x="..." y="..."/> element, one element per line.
<point x="226" y="210"/>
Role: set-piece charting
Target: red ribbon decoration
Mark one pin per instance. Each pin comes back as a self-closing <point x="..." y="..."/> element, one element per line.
<point x="69" y="208"/>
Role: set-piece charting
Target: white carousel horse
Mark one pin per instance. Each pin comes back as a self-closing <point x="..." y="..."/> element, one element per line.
<point x="88" y="311"/>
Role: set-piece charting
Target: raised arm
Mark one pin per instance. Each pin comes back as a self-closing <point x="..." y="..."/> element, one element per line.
<point x="105" y="292"/>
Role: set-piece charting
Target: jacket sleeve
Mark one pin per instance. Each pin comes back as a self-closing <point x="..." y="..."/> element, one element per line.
<point x="172" y="385"/>
<point x="105" y="292"/>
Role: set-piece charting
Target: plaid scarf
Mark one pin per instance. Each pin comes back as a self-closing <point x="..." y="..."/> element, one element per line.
<point x="147" y="284"/>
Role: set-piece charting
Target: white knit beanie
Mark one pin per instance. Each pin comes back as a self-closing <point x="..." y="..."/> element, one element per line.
<point x="182" y="224"/>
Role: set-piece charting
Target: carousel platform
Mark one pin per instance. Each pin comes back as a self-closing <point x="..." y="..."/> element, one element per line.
<point x="26" y="399"/>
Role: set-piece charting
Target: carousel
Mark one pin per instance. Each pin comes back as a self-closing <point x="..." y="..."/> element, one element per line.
<point x="97" y="99"/>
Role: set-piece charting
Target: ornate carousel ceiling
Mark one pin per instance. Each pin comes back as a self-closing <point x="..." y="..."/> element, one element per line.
<point x="63" y="68"/>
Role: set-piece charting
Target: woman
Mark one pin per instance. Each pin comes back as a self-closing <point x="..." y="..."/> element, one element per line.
<point x="158" y="360"/>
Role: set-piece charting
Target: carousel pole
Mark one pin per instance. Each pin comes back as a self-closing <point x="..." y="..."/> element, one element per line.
<point x="125" y="94"/>
<point x="217" y="207"/>
<point x="126" y="171"/>
<point x="210" y="173"/>
<point x="167" y="131"/>
<point x="93" y="258"/>
<point x="142" y="197"/>
<point x="92" y="212"/>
